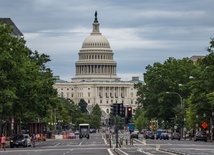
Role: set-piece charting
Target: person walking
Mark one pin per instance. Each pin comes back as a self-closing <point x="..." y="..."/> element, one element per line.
<point x="34" y="140"/>
<point x="3" y="139"/>
<point x="131" y="139"/>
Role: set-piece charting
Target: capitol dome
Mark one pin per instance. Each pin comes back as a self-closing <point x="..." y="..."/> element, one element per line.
<point x="96" y="41"/>
<point x="96" y="61"/>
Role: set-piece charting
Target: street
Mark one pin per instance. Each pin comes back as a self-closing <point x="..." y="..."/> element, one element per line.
<point x="97" y="145"/>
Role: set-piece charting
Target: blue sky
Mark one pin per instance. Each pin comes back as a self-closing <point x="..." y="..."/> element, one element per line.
<point x="140" y="32"/>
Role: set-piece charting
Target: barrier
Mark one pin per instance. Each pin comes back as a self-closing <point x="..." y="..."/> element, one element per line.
<point x="58" y="136"/>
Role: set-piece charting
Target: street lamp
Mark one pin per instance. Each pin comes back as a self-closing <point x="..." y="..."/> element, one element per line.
<point x="181" y="101"/>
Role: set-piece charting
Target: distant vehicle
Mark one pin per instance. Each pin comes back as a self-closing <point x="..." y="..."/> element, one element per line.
<point x="134" y="134"/>
<point x="77" y="132"/>
<point x="137" y="131"/>
<point x="164" y="136"/>
<point x="175" y="135"/>
<point x="159" y="132"/>
<point x="20" y="140"/>
<point x="200" y="135"/>
<point x="71" y="135"/>
<point x="143" y="131"/>
<point x="149" y="134"/>
<point x="93" y="131"/>
<point x="84" y="131"/>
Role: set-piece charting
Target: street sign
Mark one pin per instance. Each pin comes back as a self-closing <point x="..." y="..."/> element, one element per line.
<point x="204" y="125"/>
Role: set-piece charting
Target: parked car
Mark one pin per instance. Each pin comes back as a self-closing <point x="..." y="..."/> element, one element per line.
<point x="134" y="134"/>
<point x="77" y="132"/>
<point x="175" y="135"/>
<point x="164" y="136"/>
<point x="149" y="134"/>
<point x="159" y="132"/>
<point x="71" y="135"/>
<point x="143" y="131"/>
<point x="137" y="131"/>
<point x="93" y="131"/>
<point x="20" y="140"/>
<point x="200" y="135"/>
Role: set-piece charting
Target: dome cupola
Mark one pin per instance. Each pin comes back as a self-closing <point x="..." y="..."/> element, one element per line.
<point x="96" y="40"/>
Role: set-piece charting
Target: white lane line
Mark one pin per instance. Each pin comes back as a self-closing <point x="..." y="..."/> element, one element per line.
<point x="123" y="152"/>
<point x="110" y="152"/>
<point x="56" y="145"/>
<point x="81" y="142"/>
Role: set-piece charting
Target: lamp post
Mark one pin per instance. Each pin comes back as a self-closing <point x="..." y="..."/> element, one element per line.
<point x="181" y="102"/>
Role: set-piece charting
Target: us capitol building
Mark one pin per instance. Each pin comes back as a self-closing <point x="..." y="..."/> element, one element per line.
<point x="96" y="79"/>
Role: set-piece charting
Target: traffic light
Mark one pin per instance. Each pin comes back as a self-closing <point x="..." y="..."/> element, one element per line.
<point x="129" y="115"/>
<point x="129" y="112"/>
<point x="114" y="109"/>
<point x="121" y="110"/>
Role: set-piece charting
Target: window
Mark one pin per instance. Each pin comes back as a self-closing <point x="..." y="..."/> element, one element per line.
<point x="89" y="94"/>
<point x="100" y="101"/>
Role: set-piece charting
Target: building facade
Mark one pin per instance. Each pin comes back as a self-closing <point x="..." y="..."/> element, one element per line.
<point x="96" y="79"/>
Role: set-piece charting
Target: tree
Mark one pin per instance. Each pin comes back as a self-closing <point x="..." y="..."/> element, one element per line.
<point x="159" y="79"/>
<point x="26" y="91"/>
<point x="83" y="105"/>
<point x="200" y="101"/>
<point x="95" y="117"/>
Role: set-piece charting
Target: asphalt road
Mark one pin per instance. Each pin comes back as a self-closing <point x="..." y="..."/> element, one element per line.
<point x="97" y="145"/>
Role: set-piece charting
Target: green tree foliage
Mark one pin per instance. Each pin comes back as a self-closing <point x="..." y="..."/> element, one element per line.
<point x="202" y="87"/>
<point x="159" y="79"/>
<point x="26" y="90"/>
<point x="95" y="117"/>
<point x="83" y="105"/>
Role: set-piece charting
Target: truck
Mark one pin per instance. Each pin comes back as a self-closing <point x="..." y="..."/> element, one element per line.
<point x="84" y="131"/>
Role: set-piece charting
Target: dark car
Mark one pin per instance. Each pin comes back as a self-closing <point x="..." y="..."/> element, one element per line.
<point x="93" y="131"/>
<point x="149" y="134"/>
<point x="200" y="135"/>
<point x="20" y="140"/>
<point x="175" y="135"/>
<point x="159" y="132"/>
<point x="164" y="136"/>
<point x="134" y="134"/>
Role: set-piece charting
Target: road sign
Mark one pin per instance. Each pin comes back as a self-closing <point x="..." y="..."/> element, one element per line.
<point x="204" y="125"/>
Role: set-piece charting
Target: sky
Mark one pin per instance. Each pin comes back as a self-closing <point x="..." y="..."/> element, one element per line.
<point x="140" y="32"/>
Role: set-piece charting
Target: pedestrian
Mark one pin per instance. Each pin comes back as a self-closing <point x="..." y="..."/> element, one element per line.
<point x="34" y="140"/>
<point x="131" y="139"/>
<point x="3" y="139"/>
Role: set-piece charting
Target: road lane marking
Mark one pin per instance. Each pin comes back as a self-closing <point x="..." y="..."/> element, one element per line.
<point x="56" y="145"/>
<point x="81" y="142"/>
<point x="123" y="152"/>
<point x="110" y="152"/>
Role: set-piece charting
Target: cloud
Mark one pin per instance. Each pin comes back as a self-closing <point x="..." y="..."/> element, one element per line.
<point x="139" y="32"/>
